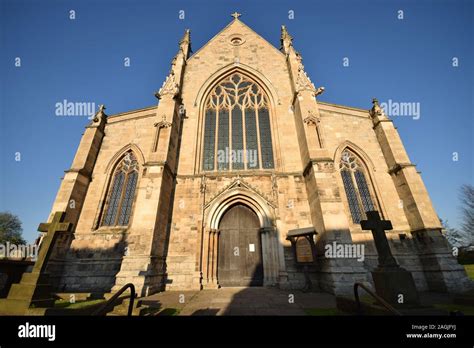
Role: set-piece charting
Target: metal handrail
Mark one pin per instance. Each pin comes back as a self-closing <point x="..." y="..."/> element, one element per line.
<point x="374" y="295"/>
<point x="103" y="310"/>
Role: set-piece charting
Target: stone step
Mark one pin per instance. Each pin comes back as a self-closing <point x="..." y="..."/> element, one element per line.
<point x="38" y="295"/>
<point x="35" y="278"/>
<point x="21" y="291"/>
<point x="12" y="307"/>
<point x="78" y="296"/>
<point x="18" y="307"/>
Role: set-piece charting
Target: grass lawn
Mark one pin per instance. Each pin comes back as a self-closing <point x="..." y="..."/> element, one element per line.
<point x="77" y="305"/>
<point x="169" y="312"/>
<point x="470" y="271"/>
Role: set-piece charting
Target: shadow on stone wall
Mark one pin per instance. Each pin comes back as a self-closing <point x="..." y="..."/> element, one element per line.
<point x="91" y="270"/>
<point x="167" y="235"/>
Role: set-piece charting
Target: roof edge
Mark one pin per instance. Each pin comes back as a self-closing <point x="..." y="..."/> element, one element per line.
<point x="220" y="31"/>
<point x="343" y="106"/>
<point x="131" y="111"/>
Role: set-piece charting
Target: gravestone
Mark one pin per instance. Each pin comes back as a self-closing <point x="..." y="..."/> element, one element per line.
<point x="392" y="282"/>
<point x="35" y="288"/>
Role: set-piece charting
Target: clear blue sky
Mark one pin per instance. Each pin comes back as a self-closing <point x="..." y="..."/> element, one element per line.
<point x="81" y="60"/>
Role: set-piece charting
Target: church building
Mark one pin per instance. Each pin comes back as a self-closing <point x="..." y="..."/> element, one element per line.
<point x="202" y="190"/>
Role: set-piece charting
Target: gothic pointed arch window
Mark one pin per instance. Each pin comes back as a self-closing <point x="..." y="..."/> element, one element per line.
<point x="237" y="131"/>
<point x="359" y="193"/>
<point x="118" y="206"/>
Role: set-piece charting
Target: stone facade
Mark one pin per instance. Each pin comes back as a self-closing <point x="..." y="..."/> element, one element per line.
<point x="171" y="240"/>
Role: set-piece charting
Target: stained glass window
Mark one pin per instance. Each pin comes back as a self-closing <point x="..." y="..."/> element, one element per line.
<point x="223" y="140"/>
<point x="122" y="192"/>
<point x="265" y="138"/>
<point x="252" y="141"/>
<point x="356" y="186"/>
<point x="351" y="196"/>
<point x="237" y="139"/>
<point x="237" y="116"/>
<point x="363" y="190"/>
<point x="209" y="139"/>
<point x="114" y="199"/>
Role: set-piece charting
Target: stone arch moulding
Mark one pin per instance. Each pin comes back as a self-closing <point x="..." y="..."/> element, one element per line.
<point x="221" y="204"/>
<point x="357" y="150"/>
<point x="212" y="81"/>
<point x="230" y="69"/>
<point x="271" y="248"/>
<point x="136" y="150"/>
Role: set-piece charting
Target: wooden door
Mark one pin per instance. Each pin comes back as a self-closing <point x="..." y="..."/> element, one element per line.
<point x="240" y="251"/>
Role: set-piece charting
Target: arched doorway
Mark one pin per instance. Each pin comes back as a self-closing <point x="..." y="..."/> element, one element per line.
<point x="240" y="248"/>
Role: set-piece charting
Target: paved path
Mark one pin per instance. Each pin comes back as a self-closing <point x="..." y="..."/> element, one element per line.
<point x="242" y="301"/>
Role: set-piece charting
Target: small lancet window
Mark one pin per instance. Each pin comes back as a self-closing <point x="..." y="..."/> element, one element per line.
<point x="121" y="193"/>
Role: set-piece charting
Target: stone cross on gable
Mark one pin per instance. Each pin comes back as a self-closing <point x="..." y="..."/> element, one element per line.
<point x="52" y="228"/>
<point x="378" y="228"/>
<point x="236" y="15"/>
